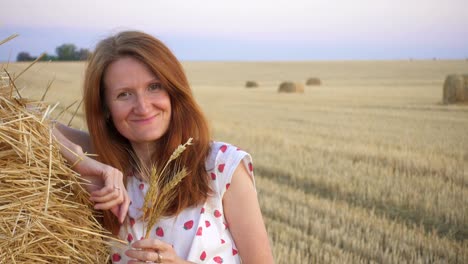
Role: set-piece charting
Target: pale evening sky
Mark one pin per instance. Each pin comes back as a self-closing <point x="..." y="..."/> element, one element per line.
<point x="248" y="29"/>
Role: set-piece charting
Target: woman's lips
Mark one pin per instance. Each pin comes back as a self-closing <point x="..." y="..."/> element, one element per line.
<point x="144" y="120"/>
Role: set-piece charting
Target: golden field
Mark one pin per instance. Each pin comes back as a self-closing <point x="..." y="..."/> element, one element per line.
<point x="369" y="167"/>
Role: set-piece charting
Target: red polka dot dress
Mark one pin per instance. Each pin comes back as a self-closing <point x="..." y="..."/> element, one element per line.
<point x="198" y="234"/>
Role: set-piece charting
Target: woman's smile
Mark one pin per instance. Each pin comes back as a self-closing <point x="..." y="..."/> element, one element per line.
<point x="140" y="108"/>
<point x="144" y="121"/>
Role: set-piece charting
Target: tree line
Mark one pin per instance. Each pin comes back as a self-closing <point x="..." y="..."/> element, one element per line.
<point x="64" y="52"/>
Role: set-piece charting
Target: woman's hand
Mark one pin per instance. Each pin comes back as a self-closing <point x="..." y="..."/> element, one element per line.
<point x="153" y="250"/>
<point x="105" y="182"/>
<point x="107" y="189"/>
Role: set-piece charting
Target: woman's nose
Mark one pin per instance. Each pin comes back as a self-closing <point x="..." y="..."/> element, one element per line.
<point x="142" y="105"/>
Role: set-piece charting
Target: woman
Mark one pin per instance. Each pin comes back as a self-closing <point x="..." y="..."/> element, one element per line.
<point x="139" y="107"/>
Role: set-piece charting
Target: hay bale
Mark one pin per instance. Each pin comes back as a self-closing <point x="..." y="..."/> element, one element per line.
<point x="291" y="87"/>
<point x="251" y="84"/>
<point x="455" y="89"/>
<point x="313" y="81"/>
<point x="46" y="216"/>
<point x="465" y="77"/>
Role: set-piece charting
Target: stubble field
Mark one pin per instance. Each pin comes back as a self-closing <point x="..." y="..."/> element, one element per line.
<point x="369" y="167"/>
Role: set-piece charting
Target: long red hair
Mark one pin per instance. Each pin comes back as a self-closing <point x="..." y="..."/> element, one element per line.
<point x="187" y="119"/>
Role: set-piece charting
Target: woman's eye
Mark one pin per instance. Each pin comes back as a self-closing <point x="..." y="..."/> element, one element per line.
<point x="123" y="95"/>
<point x="154" y="86"/>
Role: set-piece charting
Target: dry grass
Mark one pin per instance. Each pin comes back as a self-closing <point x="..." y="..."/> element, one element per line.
<point x="46" y="216"/>
<point x="372" y="169"/>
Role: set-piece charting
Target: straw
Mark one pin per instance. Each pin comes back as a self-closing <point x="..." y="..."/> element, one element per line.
<point x="45" y="213"/>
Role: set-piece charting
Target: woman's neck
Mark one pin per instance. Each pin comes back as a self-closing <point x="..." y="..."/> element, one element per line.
<point x="144" y="152"/>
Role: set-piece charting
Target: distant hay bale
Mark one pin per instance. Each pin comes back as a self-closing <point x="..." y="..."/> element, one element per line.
<point x="465" y="93"/>
<point x="313" y="81"/>
<point x="291" y="87"/>
<point x="455" y="89"/>
<point x="46" y="216"/>
<point x="465" y="77"/>
<point x="251" y="84"/>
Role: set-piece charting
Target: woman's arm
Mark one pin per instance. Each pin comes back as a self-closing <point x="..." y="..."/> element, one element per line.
<point x="105" y="185"/>
<point x="244" y="217"/>
<point x="80" y="138"/>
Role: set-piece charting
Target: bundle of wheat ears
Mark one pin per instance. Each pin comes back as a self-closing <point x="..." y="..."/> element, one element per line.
<point x="45" y="214"/>
<point x="160" y="194"/>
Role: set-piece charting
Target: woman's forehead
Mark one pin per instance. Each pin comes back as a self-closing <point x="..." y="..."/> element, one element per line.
<point x="128" y="71"/>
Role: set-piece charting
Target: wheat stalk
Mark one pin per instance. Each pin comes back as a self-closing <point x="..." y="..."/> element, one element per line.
<point x="157" y="199"/>
<point x="177" y="153"/>
<point x="162" y="201"/>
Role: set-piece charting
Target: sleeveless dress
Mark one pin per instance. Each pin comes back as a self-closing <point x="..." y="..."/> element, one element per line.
<point x="198" y="234"/>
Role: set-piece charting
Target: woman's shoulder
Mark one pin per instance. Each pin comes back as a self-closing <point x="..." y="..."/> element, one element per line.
<point x="222" y="161"/>
<point x="222" y="151"/>
<point x="222" y="146"/>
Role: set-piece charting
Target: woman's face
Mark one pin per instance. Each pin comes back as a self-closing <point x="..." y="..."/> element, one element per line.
<point x="139" y="106"/>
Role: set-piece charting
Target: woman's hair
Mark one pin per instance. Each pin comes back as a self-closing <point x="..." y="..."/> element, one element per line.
<point x="187" y="119"/>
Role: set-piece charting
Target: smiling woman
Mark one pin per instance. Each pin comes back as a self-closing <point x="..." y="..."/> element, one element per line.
<point x="139" y="107"/>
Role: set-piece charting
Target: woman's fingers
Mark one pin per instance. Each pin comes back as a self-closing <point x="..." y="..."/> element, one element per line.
<point x="149" y="243"/>
<point x="113" y="180"/>
<point x="124" y="208"/>
<point x="113" y="195"/>
<point x="120" y="211"/>
<point x="106" y="194"/>
<point x="104" y="191"/>
<point x="107" y="205"/>
<point x="151" y="250"/>
<point x="142" y="255"/>
<point x="116" y="200"/>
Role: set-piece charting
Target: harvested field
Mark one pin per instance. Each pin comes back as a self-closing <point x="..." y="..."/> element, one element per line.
<point x="371" y="169"/>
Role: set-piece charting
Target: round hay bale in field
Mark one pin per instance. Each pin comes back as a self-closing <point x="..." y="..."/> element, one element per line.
<point x="465" y="93"/>
<point x="454" y="89"/>
<point x="291" y="87"/>
<point x="313" y="81"/>
<point x="251" y="84"/>
<point x="46" y="215"/>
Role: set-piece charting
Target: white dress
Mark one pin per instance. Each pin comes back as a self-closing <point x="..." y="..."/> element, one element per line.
<point x="198" y="234"/>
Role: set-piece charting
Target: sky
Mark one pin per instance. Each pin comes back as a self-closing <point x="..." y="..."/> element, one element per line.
<point x="247" y="30"/>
